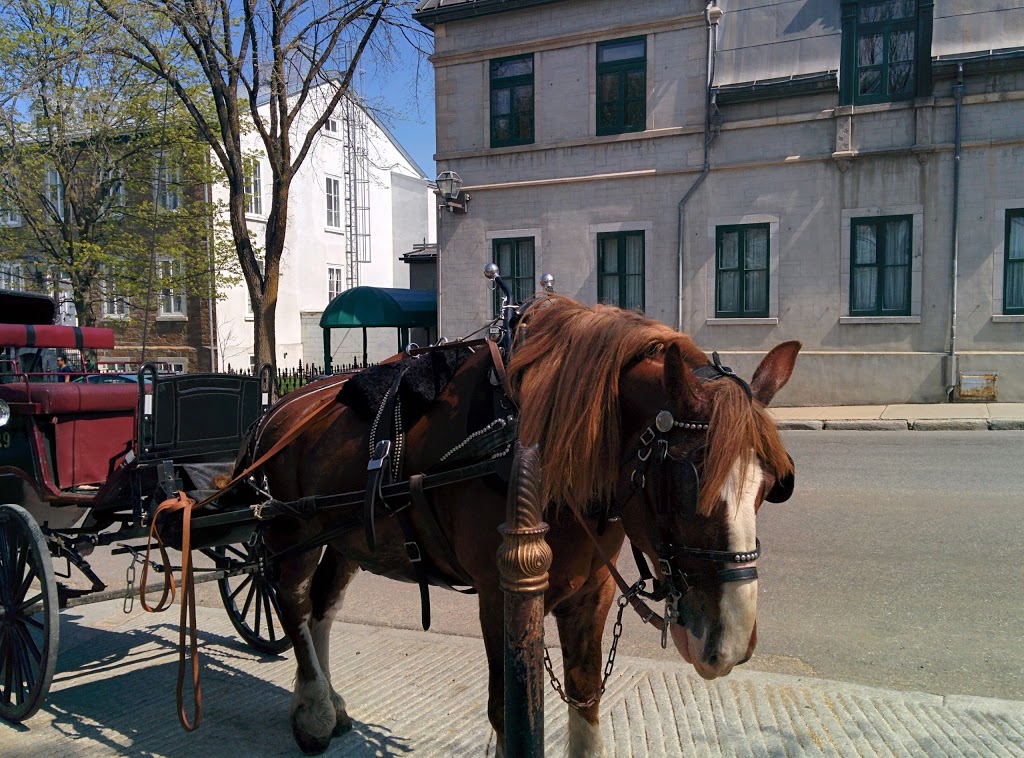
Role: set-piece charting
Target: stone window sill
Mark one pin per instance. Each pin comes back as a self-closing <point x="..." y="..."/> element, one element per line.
<point x="765" y="321"/>
<point x="879" y="319"/>
<point x="1008" y="318"/>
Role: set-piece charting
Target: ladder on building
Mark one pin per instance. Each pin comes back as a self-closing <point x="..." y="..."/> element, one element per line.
<point x="356" y="168"/>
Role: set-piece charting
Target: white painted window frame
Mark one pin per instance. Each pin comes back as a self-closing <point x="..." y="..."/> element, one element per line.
<point x="333" y="211"/>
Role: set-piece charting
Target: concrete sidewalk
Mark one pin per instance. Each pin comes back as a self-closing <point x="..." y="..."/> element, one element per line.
<point x="901" y="417"/>
<point x="425" y="694"/>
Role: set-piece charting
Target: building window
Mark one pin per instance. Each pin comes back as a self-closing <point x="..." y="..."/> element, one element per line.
<point x="167" y="186"/>
<point x="12" y="277"/>
<point x="113" y="183"/>
<point x="622" y="86"/>
<point x="512" y="101"/>
<point x="1013" y="268"/>
<point x="55" y="192"/>
<point x="741" y="271"/>
<point x="9" y="214"/>
<point x="333" y="187"/>
<point x="335" y="279"/>
<point x="620" y="269"/>
<point x="886" y="49"/>
<point x="172" y="299"/>
<point x="331" y="126"/>
<point x="253" y="187"/>
<point x="114" y="305"/>
<point x="515" y="265"/>
<point x="880" y="256"/>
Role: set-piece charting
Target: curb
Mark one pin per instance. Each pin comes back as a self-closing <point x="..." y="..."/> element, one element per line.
<point x="901" y="425"/>
<point x="950" y="425"/>
<point x="799" y="425"/>
<point x="1006" y="425"/>
<point x="872" y="425"/>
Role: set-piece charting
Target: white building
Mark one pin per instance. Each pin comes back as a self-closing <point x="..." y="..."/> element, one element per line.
<point x="358" y="203"/>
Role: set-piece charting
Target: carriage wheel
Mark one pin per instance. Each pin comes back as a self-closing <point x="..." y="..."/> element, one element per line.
<point x="250" y="599"/>
<point x="29" y="625"/>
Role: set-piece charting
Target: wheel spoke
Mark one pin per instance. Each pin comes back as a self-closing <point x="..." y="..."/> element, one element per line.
<point x="26" y="604"/>
<point x="20" y="562"/>
<point x="248" y="600"/>
<point x="259" y="606"/>
<point x="25" y="583"/>
<point x="30" y="644"/>
<point x="267" y="614"/>
<point x="32" y="621"/>
<point x="243" y="583"/>
<point x="231" y="549"/>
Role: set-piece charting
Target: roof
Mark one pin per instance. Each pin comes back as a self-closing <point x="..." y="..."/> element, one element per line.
<point x="26" y="308"/>
<point x="381" y="306"/>
<point x="421" y="253"/>
<point x="430" y="12"/>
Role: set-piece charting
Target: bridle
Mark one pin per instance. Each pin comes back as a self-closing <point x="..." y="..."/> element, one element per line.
<point x="651" y="452"/>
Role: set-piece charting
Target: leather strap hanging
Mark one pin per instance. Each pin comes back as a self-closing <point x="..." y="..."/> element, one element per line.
<point x="643" y="610"/>
<point x="187" y="505"/>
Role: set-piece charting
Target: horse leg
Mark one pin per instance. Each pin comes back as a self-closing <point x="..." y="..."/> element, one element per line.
<point x="580" y="621"/>
<point x="492" y="616"/>
<point x="327" y="592"/>
<point x="313" y="714"/>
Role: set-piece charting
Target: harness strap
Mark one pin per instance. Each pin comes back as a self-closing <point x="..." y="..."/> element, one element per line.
<point x="187" y="505"/>
<point x="642" y="609"/>
<point x="184" y="504"/>
<point x="433" y="538"/>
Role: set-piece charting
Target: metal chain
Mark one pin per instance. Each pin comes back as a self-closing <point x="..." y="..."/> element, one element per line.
<point x="608" y="666"/>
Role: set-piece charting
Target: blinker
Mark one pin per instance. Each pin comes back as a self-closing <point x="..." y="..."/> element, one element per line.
<point x="664" y="421"/>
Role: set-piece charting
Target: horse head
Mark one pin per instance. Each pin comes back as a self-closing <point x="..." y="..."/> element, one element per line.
<point x="701" y="455"/>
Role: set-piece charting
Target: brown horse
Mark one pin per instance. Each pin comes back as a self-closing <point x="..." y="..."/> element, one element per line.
<point x="623" y="408"/>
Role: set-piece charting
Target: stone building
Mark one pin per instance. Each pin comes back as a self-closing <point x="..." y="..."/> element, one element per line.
<point x="846" y="173"/>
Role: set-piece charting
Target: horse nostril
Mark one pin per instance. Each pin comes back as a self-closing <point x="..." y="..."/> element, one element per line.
<point x="712" y="660"/>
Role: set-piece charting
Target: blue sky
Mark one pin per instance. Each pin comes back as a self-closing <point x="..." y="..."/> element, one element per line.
<point x="403" y="94"/>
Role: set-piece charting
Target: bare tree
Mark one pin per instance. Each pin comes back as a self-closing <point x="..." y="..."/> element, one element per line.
<point x="280" y="67"/>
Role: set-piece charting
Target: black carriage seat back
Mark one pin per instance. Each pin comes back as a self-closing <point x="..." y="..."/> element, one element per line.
<point x="195" y="416"/>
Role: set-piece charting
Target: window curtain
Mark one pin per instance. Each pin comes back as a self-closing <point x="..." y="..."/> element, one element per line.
<point x="897" y="265"/>
<point x="1014" y="273"/>
<point x="728" y="275"/>
<point x="756" y="271"/>
<point x="865" y="274"/>
<point x="634" y="271"/>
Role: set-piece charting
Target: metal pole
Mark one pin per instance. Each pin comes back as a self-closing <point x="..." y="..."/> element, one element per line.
<point x="523" y="562"/>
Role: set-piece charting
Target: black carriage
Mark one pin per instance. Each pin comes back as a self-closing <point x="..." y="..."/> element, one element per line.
<point x="85" y="459"/>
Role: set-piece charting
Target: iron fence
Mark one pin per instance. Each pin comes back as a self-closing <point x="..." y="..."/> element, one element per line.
<point x="290" y="379"/>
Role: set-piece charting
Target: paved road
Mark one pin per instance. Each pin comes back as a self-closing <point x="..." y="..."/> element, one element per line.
<point x="895" y="564"/>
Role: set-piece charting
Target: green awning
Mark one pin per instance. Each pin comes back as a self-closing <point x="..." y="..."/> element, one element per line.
<point x="381" y="306"/>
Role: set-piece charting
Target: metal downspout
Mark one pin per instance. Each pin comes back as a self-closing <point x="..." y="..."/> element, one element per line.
<point x="712" y="15"/>
<point x="952" y="368"/>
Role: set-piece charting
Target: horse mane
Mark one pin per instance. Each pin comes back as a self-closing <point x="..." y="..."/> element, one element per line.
<point x="563" y="347"/>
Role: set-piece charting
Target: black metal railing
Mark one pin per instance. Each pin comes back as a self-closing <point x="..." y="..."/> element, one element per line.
<point x="290" y="379"/>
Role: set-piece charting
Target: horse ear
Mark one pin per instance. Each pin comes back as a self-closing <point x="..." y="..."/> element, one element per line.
<point x="774" y="371"/>
<point x="683" y="387"/>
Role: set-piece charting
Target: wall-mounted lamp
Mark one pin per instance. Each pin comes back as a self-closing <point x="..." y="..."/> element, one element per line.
<point x="449" y="186"/>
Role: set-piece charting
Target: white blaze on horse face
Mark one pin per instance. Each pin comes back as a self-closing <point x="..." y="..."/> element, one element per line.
<point x="738" y="609"/>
